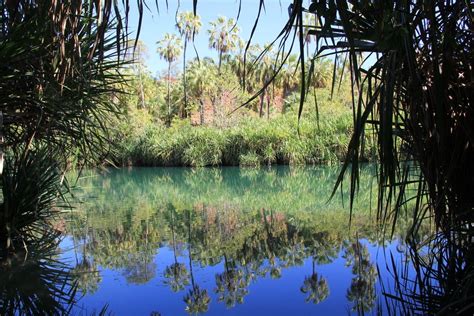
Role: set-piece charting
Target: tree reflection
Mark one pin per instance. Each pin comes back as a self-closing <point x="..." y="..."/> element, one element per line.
<point x="231" y="285"/>
<point x="362" y="290"/>
<point x="85" y="273"/>
<point x="295" y="253"/>
<point x="322" y="252"/>
<point x="197" y="300"/>
<point x="140" y="270"/>
<point x="176" y="275"/>
<point x="261" y="237"/>
<point x="316" y="287"/>
<point x="275" y="242"/>
<point x="87" y="276"/>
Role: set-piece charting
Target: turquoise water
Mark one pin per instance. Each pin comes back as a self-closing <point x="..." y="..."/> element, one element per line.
<point x="178" y="241"/>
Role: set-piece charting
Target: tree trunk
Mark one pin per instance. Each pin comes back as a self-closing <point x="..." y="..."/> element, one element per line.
<point x="201" y="111"/>
<point x="219" y="91"/>
<point x="189" y="253"/>
<point x="262" y="100"/>
<point x="268" y="106"/>
<point x="142" y="93"/>
<point x="220" y="62"/>
<point x="173" y="240"/>
<point x="184" y="110"/>
<point x="169" y="98"/>
<point x="214" y="108"/>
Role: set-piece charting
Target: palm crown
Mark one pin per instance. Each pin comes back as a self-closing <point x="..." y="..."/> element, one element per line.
<point x="169" y="47"/>
<point x="188" y="24"/>
<point x="223" y="35"/>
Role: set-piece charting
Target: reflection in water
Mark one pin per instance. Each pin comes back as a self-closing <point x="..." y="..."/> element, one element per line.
<point x="176" y="274"/>
<point x="316" y="287"/>
<point x="231" y="285"/>
<point x="232" y="235"/>
<point x="362" y="290"/>
<point x="87" y="275"/>
<point x="439" y="279"/>
<point x="197" y="300"/>
<point x="36" y="283"/>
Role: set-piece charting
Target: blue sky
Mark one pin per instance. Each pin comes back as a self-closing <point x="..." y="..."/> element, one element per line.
<point x="155" y="24"/>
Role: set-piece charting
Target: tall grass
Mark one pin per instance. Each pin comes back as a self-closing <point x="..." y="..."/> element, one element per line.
<point x="251" y="142"/>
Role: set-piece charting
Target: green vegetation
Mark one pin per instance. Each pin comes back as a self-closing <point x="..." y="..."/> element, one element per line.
<point x="257" y="223"/>
<point x="55" y="92"/>
<point x="63" y="80"/>
<point x="189" y="118"/>
<point x="249" y="142"/>
<point x="416" y="98"/>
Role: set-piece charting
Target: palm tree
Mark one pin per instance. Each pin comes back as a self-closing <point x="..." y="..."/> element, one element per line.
<point x="362" y="289"/>
<point x="202" y="76"/>
<point x="288" y="77"/>
<point x="169" y="49"/>
<point x="316" y="287"/>
<point x="294" y="253"/>
<point x="310" y="22"/>
<point x="176" y="274"/>
<point x="137" y="52"/>
<point x="231" y="285"/>
<point x="223" y="36"/>
<point x="264" y="72"/>
<point x="197" y="300"/>
<point x="236" y="61"/>
<point x="188" y="25"/>
<point x="323" y="252"/>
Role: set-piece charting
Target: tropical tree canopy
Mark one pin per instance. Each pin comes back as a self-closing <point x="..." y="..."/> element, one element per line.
<point x="223" y="36"/>
<point x="169" y="47"/>
<point x="188" y="24"/>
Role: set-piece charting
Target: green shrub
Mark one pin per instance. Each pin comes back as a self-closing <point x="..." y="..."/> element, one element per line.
<point x="250" y="142"/>
<point x="204" y="148"/>
<point x="250" y="159"/>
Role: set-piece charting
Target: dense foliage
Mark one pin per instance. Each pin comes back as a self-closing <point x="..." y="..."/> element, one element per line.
<point x="195" y="118"/>
<point x="55" y="92"/>
<point x="248" y="141"/>
<point x="61" y="79"/>
<point x="415" y="97"/>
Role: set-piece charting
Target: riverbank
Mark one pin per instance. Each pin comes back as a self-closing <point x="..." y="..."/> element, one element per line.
<point x="249" y="142"/>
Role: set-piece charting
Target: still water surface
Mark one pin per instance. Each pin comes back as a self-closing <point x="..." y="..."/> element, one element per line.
<point x="174" y="241"/>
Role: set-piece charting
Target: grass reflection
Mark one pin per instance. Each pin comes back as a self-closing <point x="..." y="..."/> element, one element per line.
<point x="254" y="224"/>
